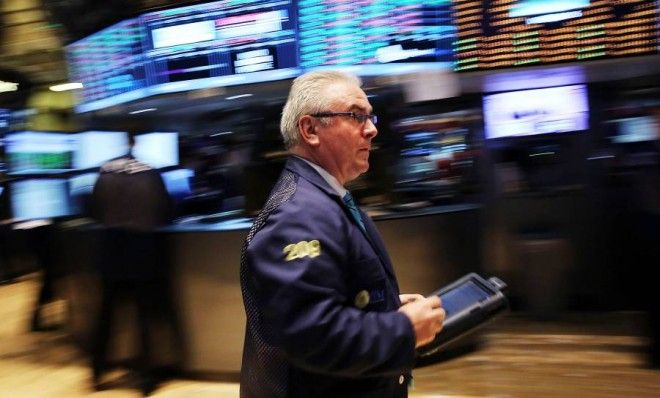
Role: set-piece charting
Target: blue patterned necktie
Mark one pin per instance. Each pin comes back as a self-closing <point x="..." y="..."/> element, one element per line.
<point x="350" y="202"/>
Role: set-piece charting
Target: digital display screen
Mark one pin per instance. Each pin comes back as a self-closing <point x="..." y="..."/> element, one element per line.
<point x="539" y="111"/>
<point x="157" y="149"/>
<point x="177" y="182"/>
<point x="82" y="184"/>
<point x="97" y="147"/>
<point x="110" y="65"/>
<point x="33" y="152"/>
<point x="462" y="297"/>
<point x="509" y="33"/>
<point x="220" y="43"/>
<point x="5" y="116"/>
<point x="636" y="129"/>
<point x="39" y="199"/>
<point x="80" y="191"/>
<point x="378" y="37"/>
<point x="206" y="45"/>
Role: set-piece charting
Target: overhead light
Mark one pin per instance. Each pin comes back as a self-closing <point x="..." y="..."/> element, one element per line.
<point x="66" y="86"/>
<point x="8" y="86"/>
<point x="233" y="97"/>
<point x="142" y="111"/>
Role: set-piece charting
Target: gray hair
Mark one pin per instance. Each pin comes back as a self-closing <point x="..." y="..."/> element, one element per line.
<point x="307" y="96"/>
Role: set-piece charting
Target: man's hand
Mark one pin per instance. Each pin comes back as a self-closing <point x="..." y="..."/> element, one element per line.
<point x="409" y="298"/>
<point x="426" y="316"/>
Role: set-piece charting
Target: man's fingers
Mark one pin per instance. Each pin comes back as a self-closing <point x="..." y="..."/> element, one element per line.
<point x="435" y="301"/>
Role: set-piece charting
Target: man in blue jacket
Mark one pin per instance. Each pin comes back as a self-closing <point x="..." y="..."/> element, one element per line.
<point x="324" y="314"/>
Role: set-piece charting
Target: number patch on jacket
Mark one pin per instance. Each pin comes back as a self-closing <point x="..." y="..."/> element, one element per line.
<point x="302" y="249"/>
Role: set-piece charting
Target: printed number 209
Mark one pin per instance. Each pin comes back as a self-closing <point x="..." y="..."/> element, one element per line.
<point x="302" y="249"/>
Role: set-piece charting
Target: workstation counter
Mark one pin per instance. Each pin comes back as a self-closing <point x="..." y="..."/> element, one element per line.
<point x="429" y="247"/>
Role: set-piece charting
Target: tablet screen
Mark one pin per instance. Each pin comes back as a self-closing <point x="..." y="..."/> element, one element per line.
<point x="463" y="296"/>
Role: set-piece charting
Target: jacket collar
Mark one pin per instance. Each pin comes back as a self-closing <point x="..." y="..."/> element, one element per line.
<point x="302" y="168"/>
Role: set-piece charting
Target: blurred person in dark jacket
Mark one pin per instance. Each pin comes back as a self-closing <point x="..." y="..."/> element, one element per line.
<point x="130" y="201"/>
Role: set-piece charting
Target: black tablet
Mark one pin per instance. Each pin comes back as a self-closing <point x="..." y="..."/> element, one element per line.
<point x="469" y="302"/>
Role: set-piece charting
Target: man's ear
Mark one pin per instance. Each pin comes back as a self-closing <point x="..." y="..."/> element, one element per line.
<point x="307" y="128"/>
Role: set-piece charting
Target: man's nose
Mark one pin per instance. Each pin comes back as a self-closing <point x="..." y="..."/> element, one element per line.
<point x="370" y="129"/>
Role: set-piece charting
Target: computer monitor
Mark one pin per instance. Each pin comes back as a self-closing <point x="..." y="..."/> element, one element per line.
<point x="81" y="187"/>
<point x="636" y="129"/>
<point x="5" y="119"/>
<point x="82" y="184"/>
<point x="40" y="198"/>
<point x="538" y="111"/>
<point x="157" y="149"/>
<point x="97" y="147"/>
<point x="34" y="152"/>
<point x="177" y="182"/>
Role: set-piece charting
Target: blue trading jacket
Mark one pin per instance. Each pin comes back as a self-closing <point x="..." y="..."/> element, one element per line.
<point x="320" y="297"/>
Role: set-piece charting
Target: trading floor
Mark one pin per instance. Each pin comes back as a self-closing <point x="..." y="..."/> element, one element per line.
<point x="582" y="355"/>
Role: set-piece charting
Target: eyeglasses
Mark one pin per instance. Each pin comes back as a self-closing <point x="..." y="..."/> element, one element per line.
<point x="360" y="117"/>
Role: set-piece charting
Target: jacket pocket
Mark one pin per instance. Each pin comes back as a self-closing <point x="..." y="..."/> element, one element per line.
<point x="368" y="287"/>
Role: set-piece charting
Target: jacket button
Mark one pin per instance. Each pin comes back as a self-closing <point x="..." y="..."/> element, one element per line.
<point x="362" y="299"/>
<point x="401" y="379"/>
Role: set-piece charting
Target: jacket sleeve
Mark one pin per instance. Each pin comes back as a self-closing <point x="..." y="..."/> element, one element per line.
<point x="304" y="300"/>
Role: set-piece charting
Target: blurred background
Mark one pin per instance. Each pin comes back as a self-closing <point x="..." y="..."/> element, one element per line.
<point x="517" y="138"/>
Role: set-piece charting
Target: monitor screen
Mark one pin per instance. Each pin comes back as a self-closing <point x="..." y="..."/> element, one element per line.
<point x="220" y="43"/>
<point x="80" y="191"/>
<point x="97" y="147"/>
<point x="539" y="111"/>
<point x="5" y="119"/>
<point x="82" y="184"/>
<point x="40" y="198"/>
<point x="177" y="182"/>
<point x="463" y="297"/>
<point x="394" y="36"/>
<point x="110" y="65"/>
<point x="158" y="150"/>
<point x="535" y="32"/>
<point x="636" y="129"/>
<point x="33" y="152"/>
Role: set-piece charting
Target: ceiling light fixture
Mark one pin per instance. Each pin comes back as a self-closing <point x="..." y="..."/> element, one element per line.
<point x="66" y="86"/>
<point x="8" y="86"/>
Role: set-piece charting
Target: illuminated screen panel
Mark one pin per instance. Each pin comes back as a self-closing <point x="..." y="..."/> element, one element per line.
<point x="540" y="111"/>
<point x="177" y="182"/>
<point x="636" y="129"/>
<point x="97" y="147"/>
<point x="34" y="152"/>
<point x="509" y="33"/>
<point x="157" y="149"/>
<point x="40" y="198"/>
<point x="379" y="36"/>
<point x="219" y="43"/>
<point x="110" y="66"/>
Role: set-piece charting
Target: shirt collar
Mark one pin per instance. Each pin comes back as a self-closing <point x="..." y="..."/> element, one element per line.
<point x="332" y="181"/>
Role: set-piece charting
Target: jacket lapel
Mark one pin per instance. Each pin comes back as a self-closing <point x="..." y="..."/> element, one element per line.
<point x="301" y="168"/>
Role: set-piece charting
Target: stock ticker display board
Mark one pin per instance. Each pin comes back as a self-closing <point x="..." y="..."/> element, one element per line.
<point x="382" y="34"/>
<point x="510" y="33"/>
<point x="109" y="63"/>
<point x="215" y="40"/>
<point x="233" y="42"/>
<point x="214" y="44"/>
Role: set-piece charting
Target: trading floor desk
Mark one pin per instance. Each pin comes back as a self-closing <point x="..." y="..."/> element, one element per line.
<point x="428" y="248"/>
